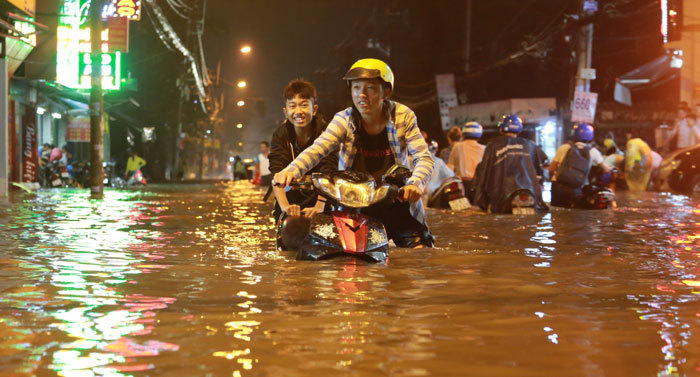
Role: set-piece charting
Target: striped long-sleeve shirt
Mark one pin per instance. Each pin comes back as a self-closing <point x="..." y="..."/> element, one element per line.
<point x="406" y="142"/>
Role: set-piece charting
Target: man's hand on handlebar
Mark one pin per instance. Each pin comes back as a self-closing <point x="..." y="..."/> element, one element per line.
<point x="283" y="178"/>
<point x="318" y="208"/>
<point x="411" y="193"/>
<point x="292" y="210"/>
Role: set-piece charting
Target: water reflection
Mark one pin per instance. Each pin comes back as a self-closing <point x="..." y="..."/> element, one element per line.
<point x="88" y="249"/>
<point x="184" y="280"/>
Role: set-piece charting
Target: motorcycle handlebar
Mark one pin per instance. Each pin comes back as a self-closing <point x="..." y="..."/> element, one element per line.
<point x="302" y="183"/>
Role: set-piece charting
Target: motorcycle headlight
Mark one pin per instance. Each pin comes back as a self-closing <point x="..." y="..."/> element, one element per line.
<point x="351" y="194"/>
<point x="355" y="195"/>
<point x="324" y="184"/>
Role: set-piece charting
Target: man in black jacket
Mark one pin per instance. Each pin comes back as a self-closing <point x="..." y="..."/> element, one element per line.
<point x="302" y="126"/>
<point x="510" y="163"/>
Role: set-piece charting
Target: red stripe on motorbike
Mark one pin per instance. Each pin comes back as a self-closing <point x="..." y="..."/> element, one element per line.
<point x="352" y="233"/>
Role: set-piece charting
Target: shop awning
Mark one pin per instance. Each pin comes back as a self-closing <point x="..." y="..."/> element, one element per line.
<point x="649" y="75"/>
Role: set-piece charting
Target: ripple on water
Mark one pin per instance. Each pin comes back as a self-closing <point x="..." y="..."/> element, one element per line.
<point x="184" y="280"/>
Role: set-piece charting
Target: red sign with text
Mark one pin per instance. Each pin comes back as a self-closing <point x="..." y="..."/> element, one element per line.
<point x="30" y="158"/>
<point x="130" y="9"/>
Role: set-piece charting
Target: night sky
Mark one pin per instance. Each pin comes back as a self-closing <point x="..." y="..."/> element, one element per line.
<point x="319" y="39"/>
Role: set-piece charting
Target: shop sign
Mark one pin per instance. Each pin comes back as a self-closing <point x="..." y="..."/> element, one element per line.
<point x="583" y="107"/>
<point x="118" y="34"/>
<point x="447" y="97"/>
<point x="74" y="47"/>
<point x="29" y="146"/>
<point x="26" y="6"/>
<point x="129" y="9"/>
<point x="78" y="129"/>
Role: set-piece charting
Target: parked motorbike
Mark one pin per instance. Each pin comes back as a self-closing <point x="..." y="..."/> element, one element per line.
<point x="81" y="174"/>
<point x="345" y="231"/>
<point x="110" y="176"/>
<point x="113" y="179"/>
<point x="54" y="174"/>
<point x="450" y="195"/>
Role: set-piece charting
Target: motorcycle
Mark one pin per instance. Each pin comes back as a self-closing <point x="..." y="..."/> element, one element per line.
<point x="136" y="179"/>
<point x="345" y="231"/>
<point x="110" y="176"/>
<point x="596" y="197"/>
<point x="81" y="174"/>
<point x="54" y="174"/>
<point x="591" y="196"/>
<point x="449" y="195"/>
<point x="521" y="202"/>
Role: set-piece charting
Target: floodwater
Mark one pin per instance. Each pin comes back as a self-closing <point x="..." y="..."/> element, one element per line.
<point x="183" y="280"/>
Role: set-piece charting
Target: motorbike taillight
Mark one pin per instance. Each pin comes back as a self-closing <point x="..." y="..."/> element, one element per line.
<point x="454" y="191"/>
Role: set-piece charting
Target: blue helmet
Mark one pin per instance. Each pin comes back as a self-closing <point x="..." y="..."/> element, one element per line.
<point x="472" y="130"/>
<point x="582" y="132"/>
<point x="511" y="124"/>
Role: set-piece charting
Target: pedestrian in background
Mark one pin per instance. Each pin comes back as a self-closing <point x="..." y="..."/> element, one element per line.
<point x="684" y="131"/>
<point x="262" y="164"/>
<point x="454" y="135"/>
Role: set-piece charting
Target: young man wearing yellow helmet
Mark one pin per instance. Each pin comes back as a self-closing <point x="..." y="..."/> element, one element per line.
<point x="372" y="135"/>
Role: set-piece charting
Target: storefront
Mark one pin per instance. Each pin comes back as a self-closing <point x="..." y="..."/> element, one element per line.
<point x="539" y="115"/>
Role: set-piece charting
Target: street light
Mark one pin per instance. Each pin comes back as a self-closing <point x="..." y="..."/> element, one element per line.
<point x="246" y="49"/>
<point x="239" y="125"/>
<point x="242" y="84"/>
<point x="240" y="103"/>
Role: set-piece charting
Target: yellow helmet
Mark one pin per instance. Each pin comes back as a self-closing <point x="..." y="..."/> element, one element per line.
<point x="370" y="69"/>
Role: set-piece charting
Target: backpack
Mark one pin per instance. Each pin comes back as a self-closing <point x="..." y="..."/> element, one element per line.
<point x="574" y="169"/>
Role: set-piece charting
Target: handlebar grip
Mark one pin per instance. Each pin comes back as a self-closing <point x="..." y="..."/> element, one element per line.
<point x="394" y="192"/>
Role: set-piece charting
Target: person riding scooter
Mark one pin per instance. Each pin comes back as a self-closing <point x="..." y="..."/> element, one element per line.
<point x="571" y="167"/>
<point x="510" y="164"/>
<point x="371" y="136"/>
<point x="466" y="155"/>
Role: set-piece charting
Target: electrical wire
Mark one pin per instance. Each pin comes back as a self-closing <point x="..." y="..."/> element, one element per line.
<point x="177" y="42"/>
<point x="175" y="9"/>
<point x="160" y="34"/>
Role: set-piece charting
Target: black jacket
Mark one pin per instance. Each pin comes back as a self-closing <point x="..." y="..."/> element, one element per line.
<point x="509" y="164"/>
<point x="284" y="148"/>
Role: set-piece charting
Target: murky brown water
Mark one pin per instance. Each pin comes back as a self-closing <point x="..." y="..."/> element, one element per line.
<point x="184" y="281"/>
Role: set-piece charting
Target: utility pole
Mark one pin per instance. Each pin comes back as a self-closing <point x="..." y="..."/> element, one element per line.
<point x="96" y="130"/>
<point x="202" y="148"/>
<point x="4" y="135"/>
<point x="468" y="37"/>
<point x="180" y="110"/>
<point x="584" y="48"/>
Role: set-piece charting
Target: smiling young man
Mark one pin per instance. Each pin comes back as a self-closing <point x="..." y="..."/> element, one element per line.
<point x="371" y="136"/>
<point x="301" y="127"/>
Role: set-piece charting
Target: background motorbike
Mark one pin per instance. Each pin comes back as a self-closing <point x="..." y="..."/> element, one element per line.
<point x="450" y="195"/>
<point x="54" y="174"/>
<point x="521" y="202"/>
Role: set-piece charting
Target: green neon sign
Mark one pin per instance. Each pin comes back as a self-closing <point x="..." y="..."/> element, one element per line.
<point x="73" y="50"/>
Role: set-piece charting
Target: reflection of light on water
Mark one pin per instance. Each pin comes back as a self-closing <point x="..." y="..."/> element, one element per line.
<point x="544" y="235"/>
<point x="242" y="329"/>
<point x="663" y="307"/>
<point x="235" y="229"/>
<point x="86" y="243"/>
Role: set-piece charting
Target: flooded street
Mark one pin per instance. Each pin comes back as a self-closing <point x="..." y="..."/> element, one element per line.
<point x="184" y="280"/>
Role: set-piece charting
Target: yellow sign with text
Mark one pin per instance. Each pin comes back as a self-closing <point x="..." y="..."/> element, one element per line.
<point x="26" y="6"/>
